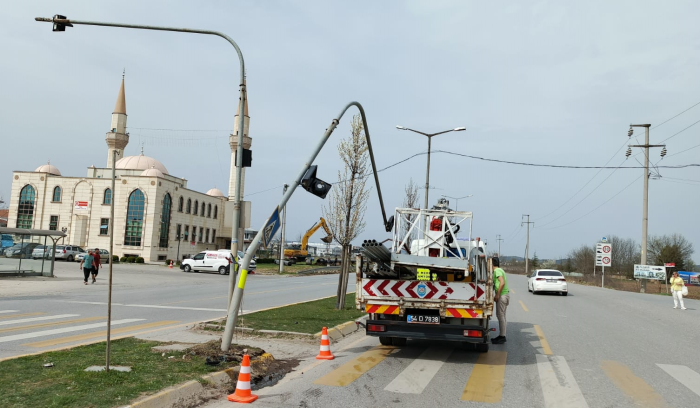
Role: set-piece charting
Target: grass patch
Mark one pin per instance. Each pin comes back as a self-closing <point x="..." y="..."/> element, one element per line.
<point x="291" y="269"/>
<point x="308" y="317"/>
<point x="24" y="382"/>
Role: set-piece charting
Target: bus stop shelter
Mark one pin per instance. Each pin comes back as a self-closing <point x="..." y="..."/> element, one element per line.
<point x="19" y="260"/>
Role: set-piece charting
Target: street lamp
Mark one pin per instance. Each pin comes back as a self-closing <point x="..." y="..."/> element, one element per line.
<point x="457" y="199"/>
<point x="429" y="136"/>
<point x="177" y="259"/>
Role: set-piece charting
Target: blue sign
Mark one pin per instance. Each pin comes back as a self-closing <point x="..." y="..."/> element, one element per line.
<point x="273" y="224"/>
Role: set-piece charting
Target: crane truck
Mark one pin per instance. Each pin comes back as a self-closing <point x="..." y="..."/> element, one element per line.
<point x="300" y="252"/>
<point x="428" y="284"/>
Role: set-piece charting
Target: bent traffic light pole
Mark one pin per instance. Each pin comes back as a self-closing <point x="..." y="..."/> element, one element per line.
<point x="232" y="317"/>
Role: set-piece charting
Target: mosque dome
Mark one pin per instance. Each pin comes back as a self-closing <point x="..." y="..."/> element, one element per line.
<point x="215" y="192"/>
<point x="152" y="172"/>
<point x="140" y="163"/>
<point x="48" y="168"/>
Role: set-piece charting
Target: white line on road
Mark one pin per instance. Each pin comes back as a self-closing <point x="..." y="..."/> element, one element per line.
<point x="683" y="375"/>
<point x="8" y="311"/>
<point x="41" y="333"/>
<point x="152" y="306"/>
<point x="420" y="372"/>
<point x="558" y="384"/>
<point x="36" y="319"/>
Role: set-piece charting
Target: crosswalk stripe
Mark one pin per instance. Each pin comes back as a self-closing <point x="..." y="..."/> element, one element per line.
<point x="634" y="387"/>
<point x="80" y="337"/>
<point x="5" y="339"/>
<point x="36" y="319"/>
<point x="8" y="311"/>
<point x="683" y="375"/>
<point x="486" y="380"/>
<point x="353" y="369"/>
<point x="62" y="322"/>
<point x="205" y="309"/>
<point x="418" y="374"/>
<point x="21" y="315"/>
<point x="558" y="384"/>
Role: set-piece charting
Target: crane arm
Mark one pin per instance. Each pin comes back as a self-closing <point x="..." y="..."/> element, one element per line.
<point x="309" y="233"/>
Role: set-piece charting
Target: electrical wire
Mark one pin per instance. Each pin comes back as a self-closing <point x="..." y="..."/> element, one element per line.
<point x="679" y="132"/>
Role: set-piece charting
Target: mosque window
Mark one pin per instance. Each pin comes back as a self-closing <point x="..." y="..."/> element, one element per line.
<point x="213" y="235"/>
<point x="189" y="206"/>
<point x="206" y="238"/>
<point x="216" y="211"/>
<point x="208" y="210"/>
<point x="165" y="222"/>
<point x="53" y="223"/>
<point x="134" y="218"/>
<point x="25" y="210"/>
<point x="187" y="233"/>
<point x="196" y="207"/>
<point x="107" y="199"/>
<point x="180" y="204"/>
<point x="56" y="194"/>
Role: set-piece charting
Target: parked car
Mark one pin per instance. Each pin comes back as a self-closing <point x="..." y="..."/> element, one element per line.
<point x="104" y="256"/>
<point x="6" y="241"/>
<point x="68" y="252"/>
<point x="23" y="250"/>
<point x="216" y="261"/>
<point x="547" y="280"/>
<point x="40" y="251"/>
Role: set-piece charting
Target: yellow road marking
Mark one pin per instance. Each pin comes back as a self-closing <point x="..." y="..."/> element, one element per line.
<point x="486" y="381"/>
<point x="635" y="388"/>
<point x="79" y="337"/>
<point x="523" y="305"/>
<point x="21" y="315"/>
<point x="38" y="325"/>
<point x="543" y="341"/>
<point x="511" y="291"/>
<point x="353" y="369"/>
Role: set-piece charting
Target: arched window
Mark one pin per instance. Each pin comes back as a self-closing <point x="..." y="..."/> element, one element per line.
<point x="134" y="218"/>
<point x="208" y="210"/>
<point x="25" y="210"/>
<point x="180" y="204"/>
<point x="107" y="199"/>
<point x="216" y="211"/>
<point x="196" y="207"/>
<point x="56" y="194"/>
<point x="189" y="206"/>
<point x="165" y="222"/>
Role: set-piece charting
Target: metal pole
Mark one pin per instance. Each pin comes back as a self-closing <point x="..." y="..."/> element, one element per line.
<point x="427" y="176"/>
<point x="177" y="258"/>
<point x="284" y="222"/>
<point x="239" y="150"/>
<point x="602" y="276"/>
<point x="111" y="258"/>
<point x="645" y="205"/>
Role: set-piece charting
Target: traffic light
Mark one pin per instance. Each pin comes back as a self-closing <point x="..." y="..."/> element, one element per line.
<point x="313" y="185"/>
<point x="60" y="26"/>
<point x="247" y="158"/>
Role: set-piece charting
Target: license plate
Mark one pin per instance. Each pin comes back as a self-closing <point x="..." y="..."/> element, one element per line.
<point x="423" y="319"/>
<point x="551" y="280"/>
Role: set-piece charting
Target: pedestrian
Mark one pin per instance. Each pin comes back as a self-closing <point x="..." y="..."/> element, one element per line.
<point x="677" y="284"/>
<point x="87" y="265"/>
<point x="502" y="298"/>
<point x="98" y="264"/>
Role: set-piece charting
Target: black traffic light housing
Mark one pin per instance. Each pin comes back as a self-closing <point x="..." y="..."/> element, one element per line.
<point x="313" y="185"/>
<point x="60" y="26"/>
<point x="247" y="158"/>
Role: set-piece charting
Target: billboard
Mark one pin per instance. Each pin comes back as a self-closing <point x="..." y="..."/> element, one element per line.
<point x="649" y="272"/>
<point x="690" y="278"/>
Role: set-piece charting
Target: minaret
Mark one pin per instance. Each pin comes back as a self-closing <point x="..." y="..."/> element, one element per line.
<point x="233" y="142"/>
<point x="117" y="138"/>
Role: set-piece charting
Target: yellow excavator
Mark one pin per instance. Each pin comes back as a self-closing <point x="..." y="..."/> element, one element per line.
<point x="299" y="252"/>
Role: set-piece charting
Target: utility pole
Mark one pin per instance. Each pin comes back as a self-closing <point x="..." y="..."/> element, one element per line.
<point x="284" y="221"/>
<point x="527" y="246"/>
<point x="499" y="239"/>
<point x="645" y="196"/>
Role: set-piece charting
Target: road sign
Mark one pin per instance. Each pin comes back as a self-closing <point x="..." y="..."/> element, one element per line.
<point x="670" y="265"/>
<point x="604" y="240"/>
<point x="271" y="227"/>
<point x="649" y="272"/>
<point x="603" y="254"/>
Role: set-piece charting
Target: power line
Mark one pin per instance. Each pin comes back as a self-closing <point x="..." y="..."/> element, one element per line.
<point x="668" y="120"/>
<point x="679" y="132"/>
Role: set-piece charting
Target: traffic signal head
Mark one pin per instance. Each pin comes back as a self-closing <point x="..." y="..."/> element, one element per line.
<point x="313" y="185"/>
<point x="60" y="26"/>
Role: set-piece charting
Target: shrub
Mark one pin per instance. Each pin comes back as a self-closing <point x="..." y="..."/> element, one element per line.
<point x="139" y="260"/>
<point x="123" y="259"/>
<point x="131" y="259"/>
<point x="265" y="261"/>
<point x="178" y="263"/>
<point x="167" y="262"/>
<point x="115" y="259"/>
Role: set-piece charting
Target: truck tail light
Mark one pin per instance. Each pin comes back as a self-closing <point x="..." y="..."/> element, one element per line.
<point x="473" y="333"/>
<point x="376" y="327"/>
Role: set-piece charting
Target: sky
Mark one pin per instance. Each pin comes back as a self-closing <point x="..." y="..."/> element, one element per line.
<point x="537" y="82"/>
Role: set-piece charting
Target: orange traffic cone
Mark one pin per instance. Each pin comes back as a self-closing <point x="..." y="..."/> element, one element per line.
<point x="325" y="353"/>
<point x="242" y="393"/>
<point x="171" y="264"/>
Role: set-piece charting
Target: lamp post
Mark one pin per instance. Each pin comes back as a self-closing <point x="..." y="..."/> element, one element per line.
<point x="63" y="230"/>
<point x="429" y="136"/>
<point x="177" y="258"/>
<point x="284" y="222"/>
<point x="457" y="199"/>
<point x="61" y="22"/>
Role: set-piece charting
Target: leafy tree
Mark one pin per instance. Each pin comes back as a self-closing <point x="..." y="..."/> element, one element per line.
<point x="672" y="248"/>
<point x="535" y="261"/>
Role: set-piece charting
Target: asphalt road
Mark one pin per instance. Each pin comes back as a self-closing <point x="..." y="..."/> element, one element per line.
<point x="594" y="348"/>
<point x="38" y="314"/>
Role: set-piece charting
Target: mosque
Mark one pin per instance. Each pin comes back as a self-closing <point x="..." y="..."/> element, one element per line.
<point x="155" y="214"/>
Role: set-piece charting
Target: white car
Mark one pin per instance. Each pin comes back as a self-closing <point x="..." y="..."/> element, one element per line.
<point x="215" y="261"/>
<point x="547" y="280"/>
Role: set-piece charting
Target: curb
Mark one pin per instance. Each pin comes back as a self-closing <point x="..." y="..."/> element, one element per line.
<point x="344" y="329"/>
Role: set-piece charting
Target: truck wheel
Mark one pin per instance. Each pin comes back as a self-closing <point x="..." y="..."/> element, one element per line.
<point x="187" y="268"/>
<point x="398" y="341"/>
<point x="222" y="270"/>
<point x="385" y="341"/>
<point x="482" y="347"/>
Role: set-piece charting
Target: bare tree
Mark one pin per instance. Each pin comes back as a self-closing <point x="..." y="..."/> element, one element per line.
<point x="583" y="259"/>
<point x="674" y="248"/>
<point x="346" y="208"/>
<point x="625" y="254"/>
<point x="410" y="200"/>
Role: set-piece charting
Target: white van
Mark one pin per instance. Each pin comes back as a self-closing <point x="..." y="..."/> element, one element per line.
<point x="213" y="261"/>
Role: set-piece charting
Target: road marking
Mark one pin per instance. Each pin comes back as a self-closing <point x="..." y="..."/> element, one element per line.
<point x="153" y="306"/>
<point x="558" y="384"/>
<point x="80" y="337"/>
<point x="195" y="300"/>
<point x="418" y="374"/>
<point x="353" y="369"/>
<point x="683" y="375"/>
<point x="486" y="380"/>
<point x="36" y="319"/>
<point x="634" y="387"/>
<point x="36" y="326"/>
<point x="5" y="339"/>
<point x="523" y="305"/>
<point x="8" y="311"/>
<point x="543" y="341"/>
<point x="21" y="315"/>
<point x="511" y="291"/>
